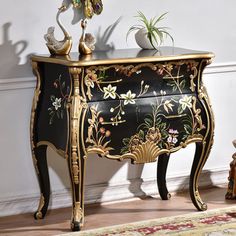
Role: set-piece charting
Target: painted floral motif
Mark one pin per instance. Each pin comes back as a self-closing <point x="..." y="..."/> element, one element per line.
<point x="109" y="91"/>
<point x="58" y="104"/>
<point x="172" y="138"/>
<point x="98" y="135"/>
<point x="128" y="97"/>
<point x="186" y="102"/>
<point x="153" y="135"/>
<point x="157" y="130"/>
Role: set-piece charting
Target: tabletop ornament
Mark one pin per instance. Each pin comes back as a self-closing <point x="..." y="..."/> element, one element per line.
<point x="87" y="41"/>
<point x="149" y="35"/>
<point x="231" y="191"/>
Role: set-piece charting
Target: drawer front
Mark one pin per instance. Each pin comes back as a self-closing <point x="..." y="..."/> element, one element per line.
<point x="112" y="82"/>
<point x="165" y="121"/>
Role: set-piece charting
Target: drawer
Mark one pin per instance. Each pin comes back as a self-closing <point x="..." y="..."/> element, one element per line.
<point x="144" y="80"/>
<point x="166" y="121"/>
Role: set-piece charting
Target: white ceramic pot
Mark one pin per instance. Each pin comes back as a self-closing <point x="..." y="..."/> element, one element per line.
<point x="142" y="39"/>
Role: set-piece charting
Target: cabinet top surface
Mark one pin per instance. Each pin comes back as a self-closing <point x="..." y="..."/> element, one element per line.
<point x="124" y="56"/>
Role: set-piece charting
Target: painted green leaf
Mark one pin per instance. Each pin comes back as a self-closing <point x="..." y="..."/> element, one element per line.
<point x="63" y="85"/>
<point x="180" y="110"/>
<point x="141" y="134"/>
<point x="52" y="97"/>
<point x="58" y="114"/>
<point x="182" y="84"/>
<point x="126" y="141"/>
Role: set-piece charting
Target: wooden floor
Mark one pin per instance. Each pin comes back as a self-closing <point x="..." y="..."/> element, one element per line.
<point x="58" y="221"/>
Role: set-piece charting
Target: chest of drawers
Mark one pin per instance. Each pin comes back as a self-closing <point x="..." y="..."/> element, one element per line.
<point x="132" y="104"/>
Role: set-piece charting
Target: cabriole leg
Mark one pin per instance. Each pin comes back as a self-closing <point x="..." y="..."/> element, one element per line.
<point x="161" y="176"/>
<point x="76" y="163"/>
<point x="201" y="155"/>
<point x="40" y="155"/>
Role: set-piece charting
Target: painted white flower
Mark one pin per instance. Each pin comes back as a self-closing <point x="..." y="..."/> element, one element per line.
<point x="57" y="103"/>
<point x="128" y="97"/>
<point x="186" y="101"/>
<point x="163" y="93"/>
<point x="109" y="91"/>
<point x="172" y="139"/>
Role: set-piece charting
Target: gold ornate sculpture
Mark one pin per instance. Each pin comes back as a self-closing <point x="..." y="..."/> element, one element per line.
<point x="89" y="7"/>
<point x="87" y="41"/>
<point x="56" y="47"/>
<point x="231" y="191"/>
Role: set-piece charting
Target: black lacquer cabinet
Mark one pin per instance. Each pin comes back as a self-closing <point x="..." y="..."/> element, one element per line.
<point x="133" y="104"/>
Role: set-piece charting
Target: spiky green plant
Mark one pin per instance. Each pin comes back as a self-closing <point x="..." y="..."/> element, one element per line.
<point x="155" y="34"/>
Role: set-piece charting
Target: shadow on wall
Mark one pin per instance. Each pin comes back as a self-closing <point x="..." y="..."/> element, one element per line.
<point x="102" y="40"/>
<point x="10" y="56"/>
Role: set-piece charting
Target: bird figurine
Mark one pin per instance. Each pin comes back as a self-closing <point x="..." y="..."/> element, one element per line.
<point x="87" y="40"/>
<point x="56" y="47"/>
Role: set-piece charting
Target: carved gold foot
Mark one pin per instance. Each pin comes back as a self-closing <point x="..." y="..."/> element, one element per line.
<point x="38" y="215"/>
<point x="77" y="220"/>
<point x="202" y="206"/>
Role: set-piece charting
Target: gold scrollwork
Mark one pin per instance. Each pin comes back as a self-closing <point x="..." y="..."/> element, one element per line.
<point x="197" y="111"/>
<point x="145" y="152"/>
<point x="77" y="107"/>
<point x="193" y="76"/>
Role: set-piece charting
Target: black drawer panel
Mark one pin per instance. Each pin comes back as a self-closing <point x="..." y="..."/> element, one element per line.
<point x="166" y="121"/>
<point x="143" y="80"/>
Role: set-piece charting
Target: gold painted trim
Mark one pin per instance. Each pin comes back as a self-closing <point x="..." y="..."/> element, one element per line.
<point x="147" y="152"/>
<point x="122" y="60"/>
<point x="51" y="145"/>
<point x="204" y="99"/>
<point x="33" y="110"/>
<point x="39" y="214"/>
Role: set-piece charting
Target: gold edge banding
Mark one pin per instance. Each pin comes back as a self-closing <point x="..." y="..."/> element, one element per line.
<point x="122" y="60"/>
<point x="59" y="151"/>
<point x="33" y="110"/>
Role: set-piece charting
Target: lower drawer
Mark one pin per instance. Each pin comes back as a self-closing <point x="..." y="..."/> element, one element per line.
<point x="119" y="127"/>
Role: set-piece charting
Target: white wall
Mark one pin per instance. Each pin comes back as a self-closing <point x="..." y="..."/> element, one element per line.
<point x="204" y="25"/>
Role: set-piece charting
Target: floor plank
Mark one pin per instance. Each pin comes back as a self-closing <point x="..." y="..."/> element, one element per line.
<point x="58" y="221"/>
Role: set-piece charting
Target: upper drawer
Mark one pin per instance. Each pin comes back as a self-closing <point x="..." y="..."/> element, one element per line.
<point x="126" y="81"/>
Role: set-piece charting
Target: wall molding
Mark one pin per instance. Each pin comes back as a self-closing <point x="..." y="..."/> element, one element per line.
<point x="30" y="82"/>
<point x="216" y="68"/>
<point x="17" y="83"/>
<point x="110" y="192"/>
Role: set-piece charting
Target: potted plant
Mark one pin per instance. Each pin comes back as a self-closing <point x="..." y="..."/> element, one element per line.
<point x="149" y="35"/>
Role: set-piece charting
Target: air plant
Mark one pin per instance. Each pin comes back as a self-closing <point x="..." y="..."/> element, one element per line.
<point x="154" y="33"/>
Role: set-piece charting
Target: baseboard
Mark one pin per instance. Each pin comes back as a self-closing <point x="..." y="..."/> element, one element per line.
<point x="101" y="193"/>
